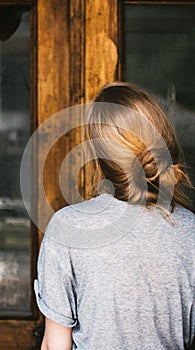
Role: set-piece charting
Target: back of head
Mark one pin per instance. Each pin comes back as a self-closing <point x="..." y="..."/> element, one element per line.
<point x="134" y="147"/>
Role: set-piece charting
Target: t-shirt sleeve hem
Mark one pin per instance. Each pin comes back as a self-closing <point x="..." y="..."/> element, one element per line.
<point x="52" y="315"/>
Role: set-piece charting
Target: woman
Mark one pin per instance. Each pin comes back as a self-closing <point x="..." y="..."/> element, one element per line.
<point x="125" y="278"/>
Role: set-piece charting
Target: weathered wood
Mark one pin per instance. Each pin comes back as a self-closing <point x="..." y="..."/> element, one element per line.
<point x="77" y="88"/>
<point x="53" y="92"/>
<point x="101" y="45"/>
<point x="17" y="335"/>
<point x="101" y="54"/>
<point x="34" y="243"/>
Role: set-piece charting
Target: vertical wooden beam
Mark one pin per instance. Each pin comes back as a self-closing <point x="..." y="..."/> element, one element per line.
<point x="101" y="55"/>
<point x="77" y="89"/>
<point x="101" y="44"/>
<point x="77" y="51"/>
<point x="53" y="91"/>
<point x="76" y="57"/>
<point x="53" y="57"/>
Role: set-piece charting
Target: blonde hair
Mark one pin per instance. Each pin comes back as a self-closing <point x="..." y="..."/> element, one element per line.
<point x="129" y="137"/>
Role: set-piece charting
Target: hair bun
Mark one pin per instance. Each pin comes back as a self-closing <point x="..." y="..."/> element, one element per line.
<point x="148" y="164"/>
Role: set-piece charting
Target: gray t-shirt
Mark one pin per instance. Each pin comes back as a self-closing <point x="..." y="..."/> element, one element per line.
<point x="122" y="276"/>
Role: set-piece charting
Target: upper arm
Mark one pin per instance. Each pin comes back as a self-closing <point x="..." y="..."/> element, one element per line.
<point x="55" y="290"/>
<point x="56" y="336"/>
<point x="55" y="286"/>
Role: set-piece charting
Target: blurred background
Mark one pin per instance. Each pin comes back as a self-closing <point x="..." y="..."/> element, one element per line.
<point x="55" y="54"/>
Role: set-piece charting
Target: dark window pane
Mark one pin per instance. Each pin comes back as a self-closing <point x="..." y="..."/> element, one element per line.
<point x="159" y="56"/>
<point x="14" y="133"/>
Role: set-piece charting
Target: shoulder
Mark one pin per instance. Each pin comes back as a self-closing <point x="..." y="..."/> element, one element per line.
<point x="184" y="218"/>
<point x="83" y="211"/>
<point x="72" y="211"/>
<point x="176" y="232"/>
<point x="92" y="206"/>
<point x="183" y="232"/>
<point x="70" y="223"/>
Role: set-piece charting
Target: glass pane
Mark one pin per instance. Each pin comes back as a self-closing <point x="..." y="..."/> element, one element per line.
<point x="14" y="133"/>
<point x="159" y="56"/>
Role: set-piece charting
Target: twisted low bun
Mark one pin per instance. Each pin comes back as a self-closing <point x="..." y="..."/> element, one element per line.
<point x="149" y="164"/>
<point x="145" y="161"/>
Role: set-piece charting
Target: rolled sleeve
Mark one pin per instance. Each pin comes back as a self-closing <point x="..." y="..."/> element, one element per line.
<point x="55" y="287"/>
<point x="50" y="313"/>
